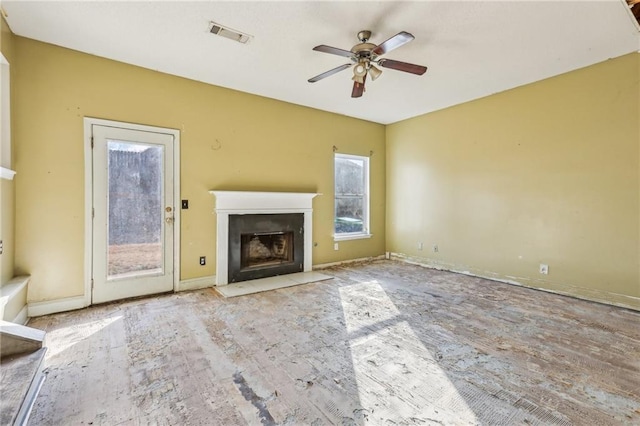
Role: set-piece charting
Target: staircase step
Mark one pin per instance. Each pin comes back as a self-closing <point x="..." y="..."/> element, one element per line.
<point x="17" y="339"/>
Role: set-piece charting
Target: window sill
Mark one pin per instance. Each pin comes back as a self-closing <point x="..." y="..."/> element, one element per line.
<point x="346" y="237"/>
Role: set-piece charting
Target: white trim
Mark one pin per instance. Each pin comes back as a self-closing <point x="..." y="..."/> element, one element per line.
<point x="22" y="318"/>
<point x="366" y="197"/>
<point x="5" y="118"/>
<point x="88" y="195"/>
<point x="12" y="287"/>
<point x="88" y="213"/>
<point x="176" y="209"/>
<point x="37" y="309"/>
<point x="263" y="211"/>
<point x="598" y="296"/>
<point x="347" y="237"/>
<point x="7" y="173"/>
<point x="197" y="283"/>
<point x="254" y="202"/>
<point x="346" y="262"/>
<point x="10" y="290"/>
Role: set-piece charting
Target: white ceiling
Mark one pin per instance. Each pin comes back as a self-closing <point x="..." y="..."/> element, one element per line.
<point x="472" y="49"/>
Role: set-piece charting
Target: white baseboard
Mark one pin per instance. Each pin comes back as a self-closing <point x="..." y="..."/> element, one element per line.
<point x="196" y="283"/>
<point x="22" y="317"/>
<point x="591" y="295"/>
<point x="345" y="262"/>
<point x="37" y="309"/>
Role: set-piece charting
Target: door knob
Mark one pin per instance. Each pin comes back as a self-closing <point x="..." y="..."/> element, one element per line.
<point x="169" y="220"/>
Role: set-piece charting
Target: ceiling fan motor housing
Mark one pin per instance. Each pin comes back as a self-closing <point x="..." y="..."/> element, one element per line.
<point x="363" y="51"/>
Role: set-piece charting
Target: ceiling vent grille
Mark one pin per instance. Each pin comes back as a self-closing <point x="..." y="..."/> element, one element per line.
<point x="229" y="33"/>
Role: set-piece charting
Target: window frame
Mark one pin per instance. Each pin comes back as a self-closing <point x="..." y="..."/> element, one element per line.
<point x="366" y="199"/>
<point x="6" y="171"/>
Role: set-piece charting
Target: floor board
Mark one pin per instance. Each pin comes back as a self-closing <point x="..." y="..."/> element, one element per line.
<point x="383" y="343"/>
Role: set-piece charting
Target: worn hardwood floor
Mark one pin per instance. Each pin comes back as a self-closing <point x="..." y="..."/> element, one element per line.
<point x="383" y="343"/>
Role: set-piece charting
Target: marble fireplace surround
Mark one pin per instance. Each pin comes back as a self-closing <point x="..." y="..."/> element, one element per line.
<point x="248" y="202"/>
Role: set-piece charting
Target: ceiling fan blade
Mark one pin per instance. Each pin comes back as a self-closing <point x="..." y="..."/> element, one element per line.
<point x="402" y="66"/>
<point x="394" y="42"/>
<point x="328" y="73"/>
<point x="358" y="89"/>
<point x="333" y="51"/>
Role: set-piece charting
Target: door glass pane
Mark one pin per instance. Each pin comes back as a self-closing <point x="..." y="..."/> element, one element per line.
<point x="135" y="209"/>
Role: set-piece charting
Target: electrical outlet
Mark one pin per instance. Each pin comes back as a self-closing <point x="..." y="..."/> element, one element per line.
<point x="1" y="247"/>
<point x="544" y="269"/>
<point x="336" y="246"/>
<point x="420" y="246"/>
<point x="435" y="248"/>
<point x="203" y="260"/>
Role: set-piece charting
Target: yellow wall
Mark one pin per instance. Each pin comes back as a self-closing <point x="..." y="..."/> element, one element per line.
<point x="7" y="198"/>
<point x="545" y="173"/>
<point x="230" y="140"/>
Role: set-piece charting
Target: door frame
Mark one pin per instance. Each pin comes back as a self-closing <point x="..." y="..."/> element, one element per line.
<point x="89" y="122"/>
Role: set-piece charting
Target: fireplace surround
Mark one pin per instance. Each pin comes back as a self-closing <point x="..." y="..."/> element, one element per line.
<point x="269" y="218"/>
<point x="265" y="245"/>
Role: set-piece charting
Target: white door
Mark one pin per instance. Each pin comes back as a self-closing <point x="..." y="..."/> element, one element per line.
<point x="133" y="213"/>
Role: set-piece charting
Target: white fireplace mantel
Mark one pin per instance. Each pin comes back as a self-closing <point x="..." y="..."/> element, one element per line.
<point x="249" y="202"/>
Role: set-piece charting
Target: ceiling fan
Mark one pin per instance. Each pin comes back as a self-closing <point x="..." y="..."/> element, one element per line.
<point x="366" y="54"/>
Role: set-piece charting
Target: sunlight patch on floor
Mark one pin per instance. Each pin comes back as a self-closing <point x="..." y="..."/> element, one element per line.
<point x="392" y="365"/>
<point x="61" y="339"/>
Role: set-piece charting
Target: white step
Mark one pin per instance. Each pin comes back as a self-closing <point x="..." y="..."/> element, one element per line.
<point x="17" y="339"/>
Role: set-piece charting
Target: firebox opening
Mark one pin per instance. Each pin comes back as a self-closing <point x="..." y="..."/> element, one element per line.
<point x="260" y="250"/>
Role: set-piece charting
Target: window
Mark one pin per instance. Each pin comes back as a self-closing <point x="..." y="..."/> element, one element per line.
<point x="5" y="121"/>
<point x="352" y="197"/>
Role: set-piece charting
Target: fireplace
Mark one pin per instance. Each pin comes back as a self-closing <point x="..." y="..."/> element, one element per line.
<point x="263" y="250"/>
<point x="262" y="234"/>
<point x="265" y="245"/>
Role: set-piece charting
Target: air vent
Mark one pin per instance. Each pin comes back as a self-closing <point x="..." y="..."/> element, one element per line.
<point x="229" y="33"/>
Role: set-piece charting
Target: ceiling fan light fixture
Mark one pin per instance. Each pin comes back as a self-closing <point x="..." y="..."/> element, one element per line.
<point x="374" y="72"/>
<point x="358" y="79"/>
<point x="360" y="69"/>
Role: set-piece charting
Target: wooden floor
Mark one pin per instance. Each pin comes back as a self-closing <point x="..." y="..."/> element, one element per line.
<point x="383" y="343"/>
